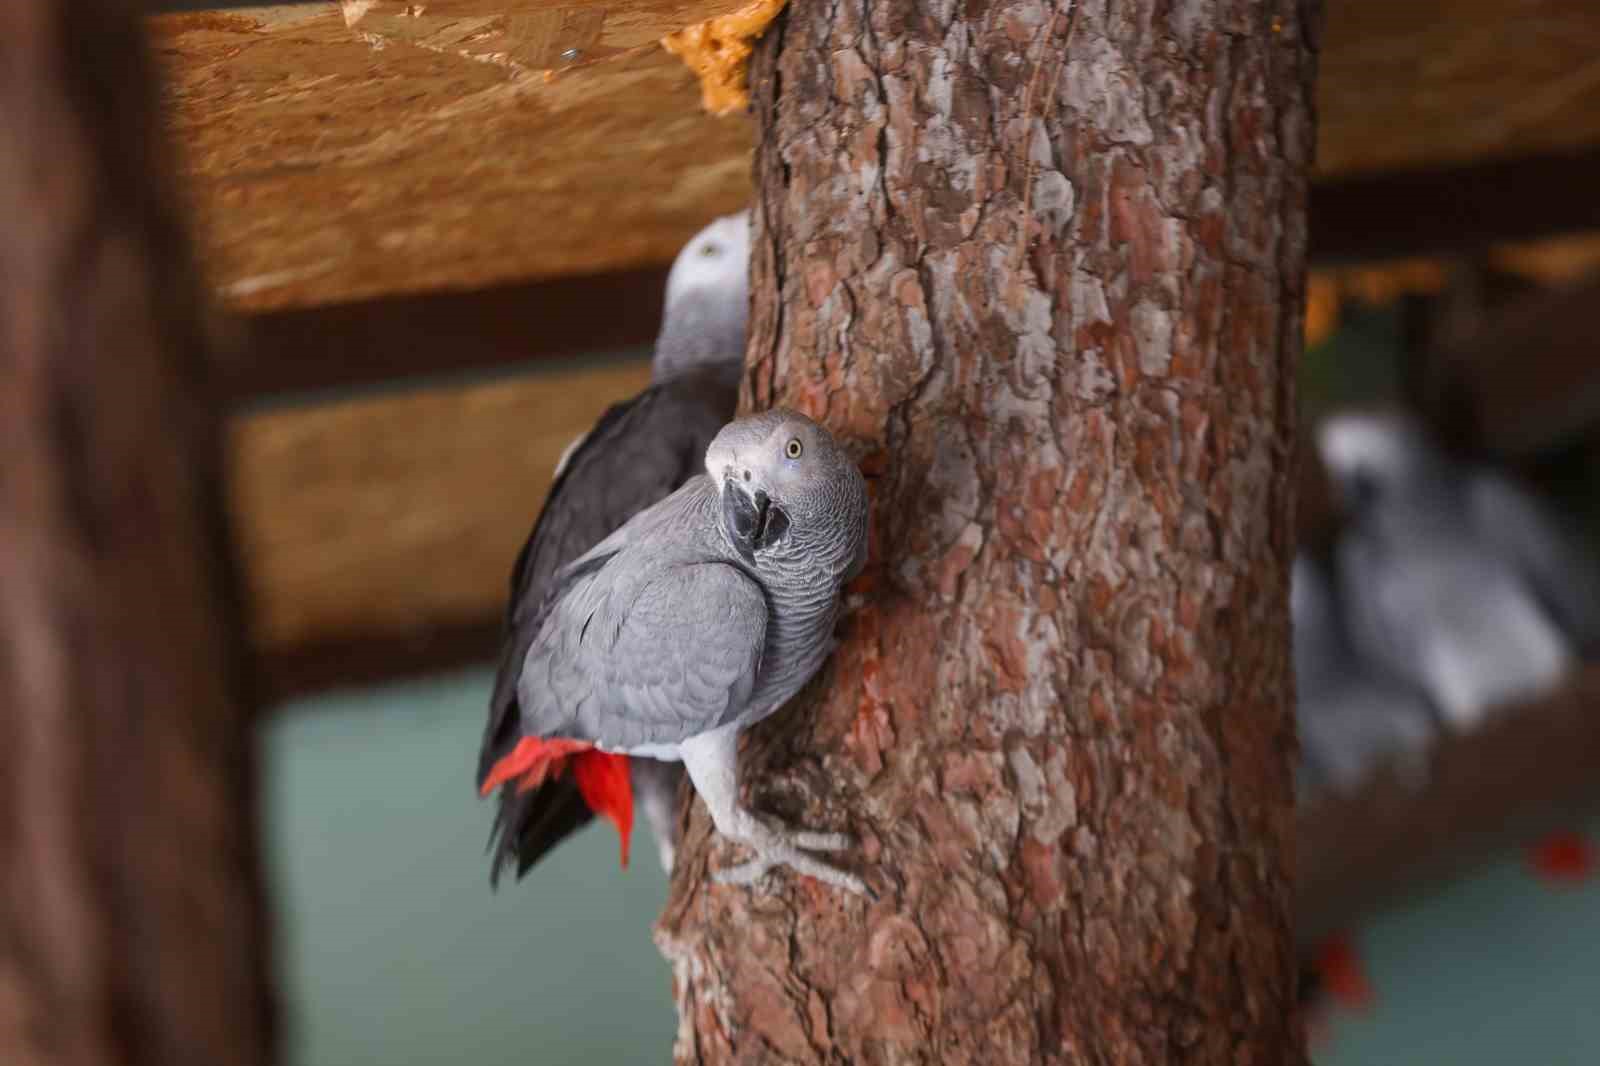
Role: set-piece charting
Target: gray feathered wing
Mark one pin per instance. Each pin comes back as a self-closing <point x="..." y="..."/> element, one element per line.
<point x="646" y="652"/>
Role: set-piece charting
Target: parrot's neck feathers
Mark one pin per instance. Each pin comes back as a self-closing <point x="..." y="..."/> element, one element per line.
<point x="703" y="329"/>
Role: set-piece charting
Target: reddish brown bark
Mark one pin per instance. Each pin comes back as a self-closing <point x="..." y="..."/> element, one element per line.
<point x="131" y="926"/>
<point x="1044" y="268"/>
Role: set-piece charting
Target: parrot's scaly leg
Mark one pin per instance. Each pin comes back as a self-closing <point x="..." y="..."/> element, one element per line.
<point x="712" y="762"/>
<point x="655" y="785"/>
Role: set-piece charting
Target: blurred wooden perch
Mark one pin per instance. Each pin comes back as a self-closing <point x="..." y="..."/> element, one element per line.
<point x="1528" y="770"/>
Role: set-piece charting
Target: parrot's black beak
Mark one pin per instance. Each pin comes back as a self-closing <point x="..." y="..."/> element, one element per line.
<point x="752" y="521"/>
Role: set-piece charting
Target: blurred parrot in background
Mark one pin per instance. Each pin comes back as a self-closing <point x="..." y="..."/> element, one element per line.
<point x="1451" y="577"/>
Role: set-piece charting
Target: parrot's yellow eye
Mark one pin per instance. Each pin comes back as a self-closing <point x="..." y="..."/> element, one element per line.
<point x="793" y="448"/>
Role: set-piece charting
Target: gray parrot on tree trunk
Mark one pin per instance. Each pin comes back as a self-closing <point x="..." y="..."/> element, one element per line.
<point x="698" y="618"/>
<point x="636" y="455"/>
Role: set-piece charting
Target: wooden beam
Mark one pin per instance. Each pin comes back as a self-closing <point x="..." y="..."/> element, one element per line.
<point x="1527" y="771"/>
<point x="1454" y="209"/>
<point x="378" y="532"/>
<point x="394" y="338"/>
<point x="1440" y="84"/>
<point x="341" y="153"/>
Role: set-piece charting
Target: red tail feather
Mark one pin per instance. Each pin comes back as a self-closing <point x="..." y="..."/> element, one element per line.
<point x="607" y="788"/>
<point x="602" y="778"/>
<point x="530" y="762"/>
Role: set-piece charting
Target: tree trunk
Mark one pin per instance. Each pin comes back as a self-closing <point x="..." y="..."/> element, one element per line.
<point x="131" y="921"/>
<point x="1043" y="267"/>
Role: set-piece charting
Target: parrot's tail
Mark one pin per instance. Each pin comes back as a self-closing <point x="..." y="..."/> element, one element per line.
<point x="602" y="779"/>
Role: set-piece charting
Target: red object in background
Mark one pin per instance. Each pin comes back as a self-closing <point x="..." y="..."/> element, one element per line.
<point x="1563" y="858"/>
<point x="1339" y="966"/>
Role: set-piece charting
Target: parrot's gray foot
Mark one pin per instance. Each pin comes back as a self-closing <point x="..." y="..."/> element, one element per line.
<point x="748" y="873"/>
<point x="784" y="848"/>
<point x="711" y="760"/>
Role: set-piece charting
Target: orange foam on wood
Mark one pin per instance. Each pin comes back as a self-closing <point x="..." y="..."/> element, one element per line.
<point x="718" y="51"/>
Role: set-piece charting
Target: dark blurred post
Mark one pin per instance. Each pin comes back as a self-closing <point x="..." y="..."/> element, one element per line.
<point x="131" y="916"/>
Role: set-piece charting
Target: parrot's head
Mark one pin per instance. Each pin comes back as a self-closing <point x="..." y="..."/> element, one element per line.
<point x="1373" y="454"/>
<point x="717" y="259"/>
<point x="708" y="301"/>
<point x="790" y="495"/>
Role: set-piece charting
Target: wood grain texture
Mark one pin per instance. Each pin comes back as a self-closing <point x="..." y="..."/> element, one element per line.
<point x="330" y="161"/>
<point x="331" y="158"/>
<point x="1042" y="266"/>
<point x="133" y="928"/>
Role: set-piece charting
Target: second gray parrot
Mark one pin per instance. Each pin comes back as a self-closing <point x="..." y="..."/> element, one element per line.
<point x="1453" y="579"/>
<point x="638" y="453"/>
<point x="698" y="618"/>
<point x="1353" y="715"/>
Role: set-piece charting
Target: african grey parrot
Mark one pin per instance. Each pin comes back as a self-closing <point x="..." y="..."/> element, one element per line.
<point x="639" y="452"/>
<point x="1436" y="574"/>
<point x="1353" y="715"/>
<point x="698" y="618"/>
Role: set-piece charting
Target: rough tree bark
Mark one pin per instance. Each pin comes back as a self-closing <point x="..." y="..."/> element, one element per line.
<point x="131" y="917"/>
<point x="1043" y="266"/>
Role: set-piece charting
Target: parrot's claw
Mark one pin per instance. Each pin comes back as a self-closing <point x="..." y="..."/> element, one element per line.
<point x="784" y="847"/>
<point x="821" y="841"/>
<point x="748" y="873"/>
<point x="711" y="761"/>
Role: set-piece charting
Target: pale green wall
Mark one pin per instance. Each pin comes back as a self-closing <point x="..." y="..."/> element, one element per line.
<point x="1499" y="968"/>
<point x="394" y="952"/>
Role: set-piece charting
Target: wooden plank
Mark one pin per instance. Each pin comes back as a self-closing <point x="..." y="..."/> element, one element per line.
<point x="384" y="519"/>
<point x="1429" y="84"/>
<point x="337" y="153"/>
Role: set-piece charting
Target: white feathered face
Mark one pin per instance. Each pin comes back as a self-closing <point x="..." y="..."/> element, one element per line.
<point x="716" y="259"/>
<point x="1371" y="452"/>
<point x="788" y="490"/>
